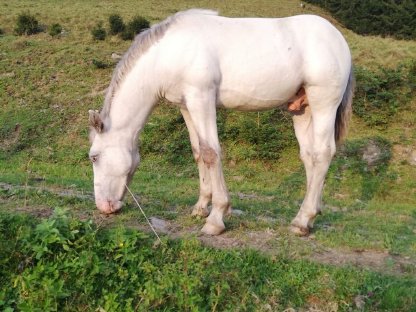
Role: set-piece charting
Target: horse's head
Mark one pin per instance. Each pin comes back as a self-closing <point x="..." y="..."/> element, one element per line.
<point x="114" y="160"/>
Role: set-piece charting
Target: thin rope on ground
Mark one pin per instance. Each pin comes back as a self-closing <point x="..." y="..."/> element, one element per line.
<point x="138" y="205"/>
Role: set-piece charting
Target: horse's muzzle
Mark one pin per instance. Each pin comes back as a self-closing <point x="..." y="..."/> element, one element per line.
<point x="108" y="206"/>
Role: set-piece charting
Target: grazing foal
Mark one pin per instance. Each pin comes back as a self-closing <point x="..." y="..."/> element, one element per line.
<point x="199" y="61"/>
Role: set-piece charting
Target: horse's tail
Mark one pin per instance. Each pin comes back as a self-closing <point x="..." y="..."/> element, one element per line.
<point x="345" y="109"/>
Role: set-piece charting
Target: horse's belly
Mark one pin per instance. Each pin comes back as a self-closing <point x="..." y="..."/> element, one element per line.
<point x="256" y="90"/>
<point x="244" y="101"/>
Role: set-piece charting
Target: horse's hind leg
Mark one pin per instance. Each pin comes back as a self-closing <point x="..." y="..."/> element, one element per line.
<point x="317" y="150"/>
<point x="201" y="105"/>
<point x="304" y="133"/>
<point x="205" y="192"/>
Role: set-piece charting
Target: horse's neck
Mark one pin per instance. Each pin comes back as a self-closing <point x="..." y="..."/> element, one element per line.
<point x="133" y="101"/>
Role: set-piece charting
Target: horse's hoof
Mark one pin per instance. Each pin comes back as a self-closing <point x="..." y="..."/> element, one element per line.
<point x="300" y="231"/>
<point x="200" y="212"/>
<point x="211" y="229"/>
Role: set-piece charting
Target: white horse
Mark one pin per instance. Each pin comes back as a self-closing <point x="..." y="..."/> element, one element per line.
<point x="199" y="61"/>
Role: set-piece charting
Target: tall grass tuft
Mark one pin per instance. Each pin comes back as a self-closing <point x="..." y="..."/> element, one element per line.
<point x="55" y="30"/>
<point x="98" y="32"/>
<point x="134" y="27"/>
<point x="117" y="25"/>
<point x="27" y="24"/>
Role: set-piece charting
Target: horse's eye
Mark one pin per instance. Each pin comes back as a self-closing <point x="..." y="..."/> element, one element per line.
<point x="94" y="158"/>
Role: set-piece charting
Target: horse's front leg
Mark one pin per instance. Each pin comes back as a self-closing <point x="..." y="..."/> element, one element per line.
<point x="202" y="110"/>
<point x="205" y="191"/>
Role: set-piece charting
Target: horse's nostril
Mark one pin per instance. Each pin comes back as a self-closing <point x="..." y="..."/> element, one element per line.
<point x="110" y="204"/>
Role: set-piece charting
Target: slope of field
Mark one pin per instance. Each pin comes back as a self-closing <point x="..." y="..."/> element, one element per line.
<point x="47" y="85"/>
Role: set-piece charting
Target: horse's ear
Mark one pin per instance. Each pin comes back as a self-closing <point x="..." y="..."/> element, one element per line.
<point x="95" y="121"/>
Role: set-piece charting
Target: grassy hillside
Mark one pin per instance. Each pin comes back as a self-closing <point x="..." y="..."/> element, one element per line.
<point x="47" y="85"/>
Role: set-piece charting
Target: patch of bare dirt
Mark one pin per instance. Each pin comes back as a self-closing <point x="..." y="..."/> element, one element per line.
<point x="252" y="196"/>
<point x="56" y="191"/>
<point x="11" y="139"/>
<point x="36" y="211"/>
<point x="259" y="240"/>
<point x="405" y="153"/>
<point x="382" y="262"/>
<point x="368" y="259"/>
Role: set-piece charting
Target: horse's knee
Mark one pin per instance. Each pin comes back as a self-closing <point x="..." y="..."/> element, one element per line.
<point x="196" y="153"/>
<point x="208" y="154"/>
<point x="306" y="155"/>
<point x="323" y="154"/>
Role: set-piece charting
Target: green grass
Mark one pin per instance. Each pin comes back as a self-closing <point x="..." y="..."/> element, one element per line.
<point x="65" y="264"/>
<point x="47" y="85"/>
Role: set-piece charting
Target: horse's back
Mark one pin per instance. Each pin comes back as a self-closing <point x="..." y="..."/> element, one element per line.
<point x="257" y="63"/>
